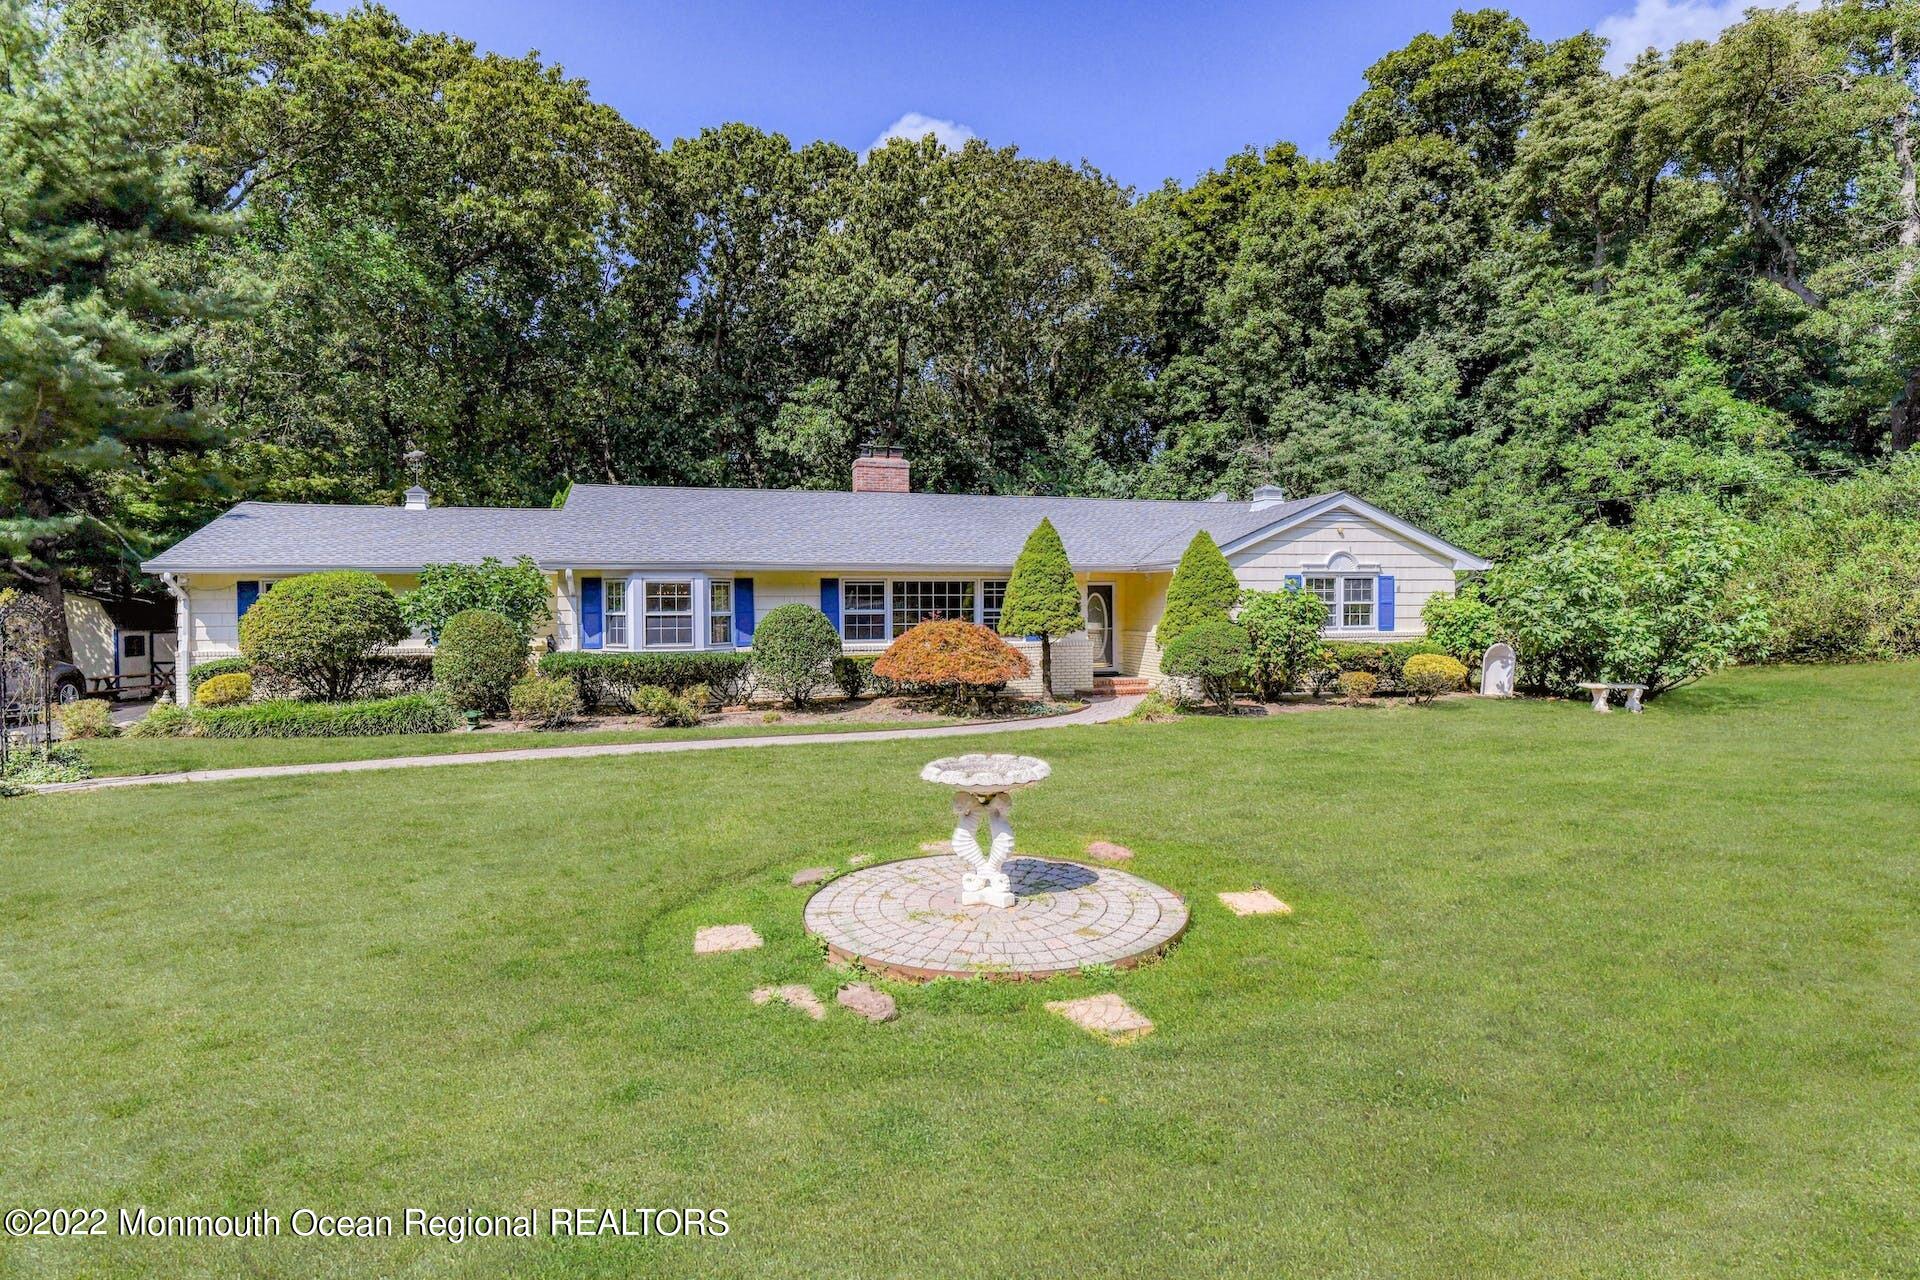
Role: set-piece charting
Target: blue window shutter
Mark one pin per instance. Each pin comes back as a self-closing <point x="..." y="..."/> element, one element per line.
<point x="591" y="618"/>
<point x="245" y="594"/>
<point x="1295" y="582"/>
<point x="830" y="601"/>
<point x="1385" y="591"/>
<point x="743" y="611"/>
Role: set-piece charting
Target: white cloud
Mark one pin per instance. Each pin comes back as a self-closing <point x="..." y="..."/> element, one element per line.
<point x="1661" y="24"/>
<point x="948" y="133"/>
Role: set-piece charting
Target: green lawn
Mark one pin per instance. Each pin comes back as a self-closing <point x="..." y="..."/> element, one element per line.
<point x="1564" y="995"/>
<point x="127" y="756"/>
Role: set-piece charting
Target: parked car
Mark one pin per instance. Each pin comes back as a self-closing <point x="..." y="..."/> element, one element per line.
<point x="69" y="685"/>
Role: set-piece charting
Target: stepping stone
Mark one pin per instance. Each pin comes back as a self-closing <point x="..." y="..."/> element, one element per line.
<point x="794" y="996"/>
<point x="1255" y="902"/>
<point x="1107" y="851"/>
<point x="1106" y="1015"/>
<point x="874" y="1006"/>
<point x="936" y="846"/>
<point x="812" y="875"/>
<point x="724" y="937"/>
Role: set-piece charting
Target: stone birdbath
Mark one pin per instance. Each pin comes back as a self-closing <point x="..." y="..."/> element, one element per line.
<point x="983" y="787"/>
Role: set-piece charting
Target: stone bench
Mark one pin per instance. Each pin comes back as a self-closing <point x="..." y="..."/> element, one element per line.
<point x="1601" y="692"/>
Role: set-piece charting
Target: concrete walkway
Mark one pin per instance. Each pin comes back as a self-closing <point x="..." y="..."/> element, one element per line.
<point x="1097" y="711"/>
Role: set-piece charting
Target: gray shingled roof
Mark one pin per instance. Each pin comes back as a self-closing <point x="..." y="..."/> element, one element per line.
<point x="618" y="526"/>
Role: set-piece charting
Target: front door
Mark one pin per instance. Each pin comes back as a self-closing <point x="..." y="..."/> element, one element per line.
<point x="1100" y="624"/>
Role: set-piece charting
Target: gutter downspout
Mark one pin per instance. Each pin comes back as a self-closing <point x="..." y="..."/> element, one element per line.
<point x="183" y="639"/>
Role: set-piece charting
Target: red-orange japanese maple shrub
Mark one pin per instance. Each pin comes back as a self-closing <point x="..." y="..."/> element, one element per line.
<point x="960" y="664"/>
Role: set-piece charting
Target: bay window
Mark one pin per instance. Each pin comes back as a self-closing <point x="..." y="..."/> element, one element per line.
<point x="669" y="615"/>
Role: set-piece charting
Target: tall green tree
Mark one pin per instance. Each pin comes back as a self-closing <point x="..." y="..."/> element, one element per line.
<point x="1042" y="599"/>
<point x="96" y="376"/>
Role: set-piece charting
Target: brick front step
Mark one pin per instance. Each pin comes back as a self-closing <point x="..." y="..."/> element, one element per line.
<point x="1121" y="684"/>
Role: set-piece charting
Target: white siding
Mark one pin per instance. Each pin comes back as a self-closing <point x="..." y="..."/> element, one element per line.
<point x="1417" y="572"/>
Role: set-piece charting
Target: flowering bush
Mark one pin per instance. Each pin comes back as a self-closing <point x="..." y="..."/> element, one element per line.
<point x="958" y="661"/>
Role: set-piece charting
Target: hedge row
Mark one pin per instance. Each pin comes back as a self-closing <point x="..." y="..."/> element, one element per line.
<point x="393" y="674"/>
<point x="284" y="718"/>
<point x="1385" y="662"/>
<point x="606" y="679"/>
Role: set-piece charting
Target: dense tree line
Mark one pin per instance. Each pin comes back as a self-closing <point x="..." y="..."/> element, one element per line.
<point x="1523" y="295"/>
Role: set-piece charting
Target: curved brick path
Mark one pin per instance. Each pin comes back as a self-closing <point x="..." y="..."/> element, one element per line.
<point x="1097" y="711"/>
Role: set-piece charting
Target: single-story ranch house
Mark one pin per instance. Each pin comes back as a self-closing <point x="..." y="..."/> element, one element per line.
<point x="670" y="568"/>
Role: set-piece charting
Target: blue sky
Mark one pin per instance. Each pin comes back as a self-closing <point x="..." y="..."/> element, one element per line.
<point x="1145" y="91"/>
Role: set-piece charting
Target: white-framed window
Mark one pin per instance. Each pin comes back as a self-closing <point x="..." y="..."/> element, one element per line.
<point x="916" y="601"/>
<point x="669" y="615"/>
<point x="863" y="610"/>
<point x="720" y="613"/>
<point x="1356" y="603"/>
<point x="614" y="610"/>
<point x="993" y="599"/>
<point x="1351" y="599"/>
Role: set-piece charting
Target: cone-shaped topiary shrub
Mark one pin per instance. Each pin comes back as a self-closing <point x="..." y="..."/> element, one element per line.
<point x="1042" y="597"/>
<point x="1203" y="590"/>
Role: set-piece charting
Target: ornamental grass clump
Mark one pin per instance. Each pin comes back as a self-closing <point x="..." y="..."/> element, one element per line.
<point x="961" y="664"/>
<point x="87" y="718"/>
<point x="1428" y="675"/>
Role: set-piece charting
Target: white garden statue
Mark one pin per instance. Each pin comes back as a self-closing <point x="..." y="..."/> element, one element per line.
<point x="983" y="787"/>
<point x="1496" y="671"/>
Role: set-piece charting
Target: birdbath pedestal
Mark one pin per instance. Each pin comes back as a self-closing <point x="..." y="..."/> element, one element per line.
<point x="983" y="787"/>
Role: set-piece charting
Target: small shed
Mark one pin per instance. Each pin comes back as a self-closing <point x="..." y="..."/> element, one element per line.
<point x="124" y="646"/>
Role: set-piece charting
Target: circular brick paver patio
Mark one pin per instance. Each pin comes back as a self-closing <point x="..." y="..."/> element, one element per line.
<point x="905" y="919"/>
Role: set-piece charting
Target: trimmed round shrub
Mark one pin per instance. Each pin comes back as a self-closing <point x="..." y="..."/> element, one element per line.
<point x="793" y="651"/>
<point x="545" y="702"/>
<point x="1213" y="653"/>
<point x="960" y="663"/>
<point x="1356" y="687"/>
<point x="166" y="720"/>
<point x="224" y="690"/>
<point x="324" y="631"/>
<point x="1428" y="675"/>
<point x="479" y="657"/>
<point x="87" y="718"/>
<point x="205" y="671"/>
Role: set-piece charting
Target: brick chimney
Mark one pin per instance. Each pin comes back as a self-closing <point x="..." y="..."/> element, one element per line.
<point x="880" y="469"/>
